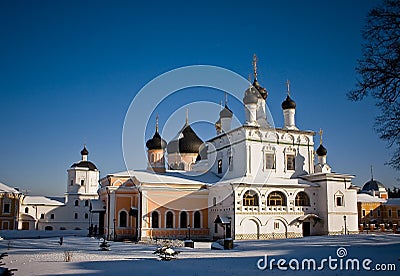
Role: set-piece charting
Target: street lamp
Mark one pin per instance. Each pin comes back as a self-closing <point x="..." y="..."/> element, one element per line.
<point x="115" y="234"/>
<point x="345" y="227"/>
<point x="189" y="230"/>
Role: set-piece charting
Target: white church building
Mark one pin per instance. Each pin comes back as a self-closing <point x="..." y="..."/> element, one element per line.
<point x="255" y="182"/>
<point x="74" y="211"/>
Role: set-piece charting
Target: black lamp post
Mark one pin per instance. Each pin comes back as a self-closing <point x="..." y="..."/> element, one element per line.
<point x="189" y="230"/>
<point x="115" y="234"/>
<point x="345" y="226"/>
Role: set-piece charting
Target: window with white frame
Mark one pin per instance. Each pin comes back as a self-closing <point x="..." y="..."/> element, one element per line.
<point x="290" y="162"/>
<point x="270" y="161"/>
<point x="339" y="199"/>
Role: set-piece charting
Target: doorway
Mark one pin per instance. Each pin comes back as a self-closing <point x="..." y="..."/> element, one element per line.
<point x="306" y="228"/>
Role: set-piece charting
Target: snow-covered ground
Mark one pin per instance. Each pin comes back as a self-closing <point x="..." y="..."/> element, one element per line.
<point x="46" y="257"/>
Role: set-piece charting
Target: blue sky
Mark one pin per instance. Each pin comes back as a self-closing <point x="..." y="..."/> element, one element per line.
<point x="70" y="69"/>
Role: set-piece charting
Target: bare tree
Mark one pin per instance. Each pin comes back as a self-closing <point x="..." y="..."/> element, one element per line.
<point x="379" y="71"/>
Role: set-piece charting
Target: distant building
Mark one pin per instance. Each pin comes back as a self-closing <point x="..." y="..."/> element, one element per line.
<point x="9" y="207"/>
<point x="70" y="213"/>
<point x="374" y="206"/>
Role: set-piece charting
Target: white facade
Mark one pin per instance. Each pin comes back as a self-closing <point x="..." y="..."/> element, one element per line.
<point x="270" y="186"/>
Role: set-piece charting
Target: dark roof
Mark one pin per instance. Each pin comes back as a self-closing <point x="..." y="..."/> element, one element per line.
<point x="187" y="142"/>
<point x="84" y="151"/>
<point x="373" y="185"/>
<point x="156" y="142"/>
<point x="226" y="112"/>
<point x="251" y="96"/>
<point x="321" y="151"/>
<point x="263" y="92"/>
<point x="288" y="103"/>
<point x="85" y="164"/>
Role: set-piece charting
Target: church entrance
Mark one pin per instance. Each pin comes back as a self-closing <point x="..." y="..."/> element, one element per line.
<point x="306" y="228"/>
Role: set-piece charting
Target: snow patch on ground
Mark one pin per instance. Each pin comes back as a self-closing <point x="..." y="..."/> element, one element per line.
<point x="46" y="257"/>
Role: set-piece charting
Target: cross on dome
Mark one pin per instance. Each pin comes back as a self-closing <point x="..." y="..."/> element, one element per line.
<point x="255" y="66"/>
<point x="320" y="136"/>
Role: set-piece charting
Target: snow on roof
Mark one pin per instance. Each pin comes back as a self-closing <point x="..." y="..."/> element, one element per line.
<point x="173" y="177"/>
<point x="97" y="205"/>
<point x="41" y="200"/>
<point x="368" y="198"/>
<point x="393" y="201"/>
<point x="7" y="189"/>
<point x="278" y="181"/>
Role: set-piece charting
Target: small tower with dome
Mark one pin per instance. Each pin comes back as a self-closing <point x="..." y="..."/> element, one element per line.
<point x="321" y="166"/>
<point x="156" y="151"/>
<point x="255" y="101"/>
<point x="83" y="176"/>
<point x="289" y="111"/>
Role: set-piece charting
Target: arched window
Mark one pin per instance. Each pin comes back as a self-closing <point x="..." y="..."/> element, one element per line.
<point x="170" y="220"/>
<point x="26" y="210"/>
<point x="123" y="219"/>
<point x="183" y="220"/>
<point x="154" y="219"/>
<point x="197" y="219"/>
<point x="51" y="216"/>
<point x="302" y="199"/>
<point x="250" y="198"/>
<point x="76" y="202"/>
<point x="276" y="199"/>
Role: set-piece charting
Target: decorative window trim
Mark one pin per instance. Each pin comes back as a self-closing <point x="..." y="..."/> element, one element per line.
<point x="273" y="202"/>
<point x="305" y="201"/>
<point x="289" y="151"/>
<point x="339" y="195"/>
<point x="250" y="198"/>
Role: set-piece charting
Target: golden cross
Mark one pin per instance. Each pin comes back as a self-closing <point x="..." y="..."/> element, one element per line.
<point x="255" y="66"/>
<point x="157" y="123"/>
<point x="320" y="136"/>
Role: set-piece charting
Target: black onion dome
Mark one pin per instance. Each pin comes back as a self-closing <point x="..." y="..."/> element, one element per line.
<point x="226" y="112"/>
<point x="187" y="142"/>
<point x="156" y="142"/>
<point x="85" y="164"/>
<point x="263" y="92"/>
<point x="250" y="96"/>
<point x="321" y="151"/>
<point x="84" y="151"/>
<point x="288" y="103"/>
<point x="373" y="185"/>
